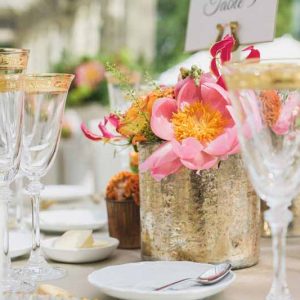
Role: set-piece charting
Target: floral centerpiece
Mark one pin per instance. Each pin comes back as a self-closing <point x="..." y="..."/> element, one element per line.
<point x="196" y="187"/>
<point x="193" y="119"/>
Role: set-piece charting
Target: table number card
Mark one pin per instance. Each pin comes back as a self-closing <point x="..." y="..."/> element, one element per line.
<point x="256" y="19"/>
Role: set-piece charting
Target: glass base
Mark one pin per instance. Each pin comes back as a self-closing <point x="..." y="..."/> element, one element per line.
<point x="16" y="286"/>
<point x="37" y="269"/>
<point x="42" y="273"/>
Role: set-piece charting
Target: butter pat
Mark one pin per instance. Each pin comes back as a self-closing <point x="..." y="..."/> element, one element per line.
<point x="75" y="239"/>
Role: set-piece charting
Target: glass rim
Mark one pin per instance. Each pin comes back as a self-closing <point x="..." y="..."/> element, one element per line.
<point x="48" y="75"/>
<point x="13" y="50"/>
<point x="47" y="82"/>
<point x="279" y="73"/>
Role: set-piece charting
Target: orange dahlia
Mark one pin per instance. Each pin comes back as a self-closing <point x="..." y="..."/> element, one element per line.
<point x="123" y="186"/>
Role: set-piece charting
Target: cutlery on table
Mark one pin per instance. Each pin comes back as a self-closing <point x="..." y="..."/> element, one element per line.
<point x="211" y="276"/>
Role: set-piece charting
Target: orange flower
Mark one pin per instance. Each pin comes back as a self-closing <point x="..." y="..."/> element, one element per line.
<point x="166" y="92"/>
<point x="134" y="120"/>
<point x="271" y="106"/>
<point x="124" y="186"/>
<point x="138" y="116"/>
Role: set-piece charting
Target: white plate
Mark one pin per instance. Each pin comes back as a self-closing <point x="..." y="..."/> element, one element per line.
<point x="64" y="192"/>
<point x="20" y="243"/>
<point x="79" y="255"/>
<point x="138" y="280"/>
<point x="64" y="220"/>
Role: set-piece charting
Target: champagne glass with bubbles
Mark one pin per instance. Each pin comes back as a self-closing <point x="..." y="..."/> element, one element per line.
<point x="45" y="96"/>
<point x="13" y="63"/>
<point x="266" y="106"/>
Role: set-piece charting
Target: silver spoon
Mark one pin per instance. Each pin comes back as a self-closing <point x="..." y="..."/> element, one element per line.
<point x="211" y="276"/>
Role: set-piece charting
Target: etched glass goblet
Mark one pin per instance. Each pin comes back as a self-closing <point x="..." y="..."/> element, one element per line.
<point x="45" y="96"/>
<point x="13" y="63"/>
<point x="266" y="106"/>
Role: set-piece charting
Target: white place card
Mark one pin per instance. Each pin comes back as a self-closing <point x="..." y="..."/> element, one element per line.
<point x="256" y="19"/>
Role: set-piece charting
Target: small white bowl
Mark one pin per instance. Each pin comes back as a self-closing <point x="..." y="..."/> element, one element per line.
<point x="81" y="255"/>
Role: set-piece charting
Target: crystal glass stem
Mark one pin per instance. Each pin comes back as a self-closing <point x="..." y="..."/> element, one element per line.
<point x="4" y="195"/>
<point x="19" y="200"/>
<point x="279" y="217"/>
<point x="35" y="222"/>
<point x="9" y="281"/>
<point x="34" y="190"/>
<point x="37" y="268"/>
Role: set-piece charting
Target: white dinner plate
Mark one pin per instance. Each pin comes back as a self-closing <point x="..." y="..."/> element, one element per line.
<point x="64" y="192"/>
<point x="72" y="219"/>
<point x="20" y="243"/>
<point x="82" y="255"/>
<point x="138" y="280"/>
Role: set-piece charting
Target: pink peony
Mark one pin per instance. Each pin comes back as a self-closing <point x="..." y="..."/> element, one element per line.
<point x="197" y="127"/>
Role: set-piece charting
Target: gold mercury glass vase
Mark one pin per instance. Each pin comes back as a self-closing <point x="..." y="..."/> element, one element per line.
<point x="210" y="218"/>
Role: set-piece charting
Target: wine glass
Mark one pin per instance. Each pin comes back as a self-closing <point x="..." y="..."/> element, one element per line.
<point x="45" y="96"/>
<point x="13" y="63"/>
<point x="266" y="106"/>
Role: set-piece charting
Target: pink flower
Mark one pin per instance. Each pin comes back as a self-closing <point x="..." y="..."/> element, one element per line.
<point x="289" y="110"/>
<point x="162" y="162"/>
<point x="192" y="155"/>
<point x="110" y="123"/>
<point x="253" y="118"/>
<point x="254" y="53"/>
<point x="221" y="53"/>
<point x="89" y="74"/>
<point x="223" y="50"/>
<point x="197" y="127"/>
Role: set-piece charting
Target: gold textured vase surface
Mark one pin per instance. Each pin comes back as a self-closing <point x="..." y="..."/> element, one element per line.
<point x="211" y="217"/>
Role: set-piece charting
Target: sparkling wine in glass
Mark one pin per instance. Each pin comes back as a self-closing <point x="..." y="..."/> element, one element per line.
<point x="45" y="96"/>
<point x="266" y="106"/>
<point x="13" y="63"/>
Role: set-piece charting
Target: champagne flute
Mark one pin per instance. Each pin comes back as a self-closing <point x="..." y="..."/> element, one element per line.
<point x="266" y="106"/>
<point x="13" y="63"/>
<point x="45" y="96"/>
